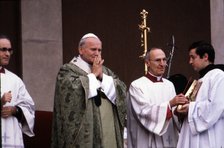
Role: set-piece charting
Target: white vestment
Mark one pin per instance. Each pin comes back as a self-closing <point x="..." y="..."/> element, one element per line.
<point x="11" y="129"/>
<point x="204" y="126"/>
<point x="147" y="109"/>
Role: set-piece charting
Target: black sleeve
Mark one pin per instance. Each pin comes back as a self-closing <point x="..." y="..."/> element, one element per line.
<point x="18" y="114"/>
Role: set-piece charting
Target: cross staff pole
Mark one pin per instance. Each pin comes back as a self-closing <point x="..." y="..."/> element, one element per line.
<point x="144" y="30"/>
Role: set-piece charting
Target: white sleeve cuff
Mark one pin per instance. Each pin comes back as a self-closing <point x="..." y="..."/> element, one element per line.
<point x="108" y="88"/>
<point x="94" y="84"/>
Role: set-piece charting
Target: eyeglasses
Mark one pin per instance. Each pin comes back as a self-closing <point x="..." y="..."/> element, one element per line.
<point x="4" y="49"/>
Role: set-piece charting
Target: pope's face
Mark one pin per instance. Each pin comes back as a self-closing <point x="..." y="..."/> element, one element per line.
<point x="91" y="49"/>
<point x="5" y="54"/>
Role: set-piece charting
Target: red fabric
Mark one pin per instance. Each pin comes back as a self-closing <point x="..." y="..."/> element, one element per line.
<point x="168" y="113"/>
<point x="2" y="70"/>
<point x="42" y="131"/>
<point x="153" y="79"/>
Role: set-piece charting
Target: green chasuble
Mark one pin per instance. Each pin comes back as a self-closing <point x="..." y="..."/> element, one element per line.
<point x="77" y="121"/>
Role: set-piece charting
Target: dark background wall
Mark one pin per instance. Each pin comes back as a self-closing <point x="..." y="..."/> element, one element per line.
<point x="10" y="26"/>
<point x="116" y="23"/>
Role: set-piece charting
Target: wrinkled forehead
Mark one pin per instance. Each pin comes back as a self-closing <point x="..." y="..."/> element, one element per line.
<point x="91" y="41"/>
<point x="156" y="54"/>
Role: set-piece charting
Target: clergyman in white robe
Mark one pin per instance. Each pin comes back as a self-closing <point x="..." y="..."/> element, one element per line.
<point x="12" y="129"/>
<point x="147" y="110"/>
<point x="204" y="125"/>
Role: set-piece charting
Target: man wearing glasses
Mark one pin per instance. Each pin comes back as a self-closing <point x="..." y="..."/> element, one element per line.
<point x="150" y="104"/>
<point x="17" y="106"/>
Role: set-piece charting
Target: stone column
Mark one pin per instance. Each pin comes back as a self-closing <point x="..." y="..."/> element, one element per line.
<point x="217" y="30"/>
<point x="41" y="29"/>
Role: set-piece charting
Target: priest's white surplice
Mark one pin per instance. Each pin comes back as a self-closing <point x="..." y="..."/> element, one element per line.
<point x="204" y="126"/>
<point x="12" y="129"/>
<point x="147" y="109"/>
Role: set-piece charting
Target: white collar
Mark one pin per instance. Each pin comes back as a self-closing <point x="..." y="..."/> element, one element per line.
<point x="157" y="77"/>
<point x="78" y="61"/>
